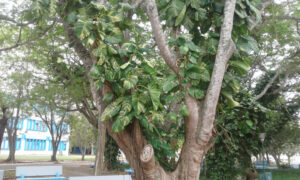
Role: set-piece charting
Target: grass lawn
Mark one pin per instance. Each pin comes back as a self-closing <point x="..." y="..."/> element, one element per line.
<point x="281" y="174"/>
<point x="47" y="158"/>
<point x="284" y="174"/>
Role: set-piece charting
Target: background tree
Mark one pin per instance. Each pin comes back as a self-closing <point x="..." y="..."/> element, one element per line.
<point x="19" y="83"/>
<point x="83" y="134"/>
<point x="4" y="116"/>
<point x="46" y="100"/>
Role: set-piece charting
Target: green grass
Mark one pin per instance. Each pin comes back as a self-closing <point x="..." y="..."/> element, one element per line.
<point x="281" y="174"/>
<point x="284" y="174"/>
<point x="47" y="158"/>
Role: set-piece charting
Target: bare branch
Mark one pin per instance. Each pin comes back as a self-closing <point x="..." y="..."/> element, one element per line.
<point x="264" y="4"/>
<point x="6" y="18"/>
<point x="159" y="36"/>
<point x="29" y="40"/>
<point x="280" y="70"/>
<point x="226" y="48"/>
<point x="261" y="94"/>
<point x="284" y="17"/>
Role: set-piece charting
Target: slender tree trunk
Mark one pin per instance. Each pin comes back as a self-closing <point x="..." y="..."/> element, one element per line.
<point x="3" y="123"/>
<point x="277" y="159"/>
<point x="268" y="159"/>
<point x="92" y="149"/>
<point x="83" y="151"/>
<point x="12" y="150"/>
<point x="54" y="151"/>
<point x="289" y="160"/>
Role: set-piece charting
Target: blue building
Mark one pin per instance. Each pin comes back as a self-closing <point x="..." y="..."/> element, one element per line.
<point x="33" y="138"/>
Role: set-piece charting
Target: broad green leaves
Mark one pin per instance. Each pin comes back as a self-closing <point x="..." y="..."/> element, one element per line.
<point x="130" y="81"/>
<point x="196" y="93"/>
<point x="83" y="28"/>
<point x="96" y="72"/>
<point x="180" y="16"/>
<point x="198" y="72"/>
<point x="155" y="96"/>
<point x="184" y="110"/>
<point x="112" y="109"/>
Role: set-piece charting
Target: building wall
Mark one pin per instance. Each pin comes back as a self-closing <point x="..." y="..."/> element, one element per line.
<point x="33" y="138"/>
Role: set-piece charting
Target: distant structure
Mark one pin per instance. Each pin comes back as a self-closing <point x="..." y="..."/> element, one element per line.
<point x="33" y="138"/>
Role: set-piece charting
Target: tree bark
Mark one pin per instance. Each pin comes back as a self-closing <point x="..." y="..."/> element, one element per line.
<point x="12" y="148"/>
<point x="277" y="159"/>
<point x="3" y="123"/>
<point x="83" y="151"/>
<point x="54" y="152"/>
<point x="92" y="149"/>
<point x="88" y="61"/>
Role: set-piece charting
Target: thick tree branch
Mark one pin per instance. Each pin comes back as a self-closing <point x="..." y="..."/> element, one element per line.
<point x="261" y="94"/>
<point x="226" y="48"/>
<point x="159" y="36"/>
<point x="280" y="70"/>
<point x="148" y="162"/>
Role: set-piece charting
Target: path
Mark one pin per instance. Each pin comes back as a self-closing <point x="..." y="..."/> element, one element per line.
<point x="70" y="168"/>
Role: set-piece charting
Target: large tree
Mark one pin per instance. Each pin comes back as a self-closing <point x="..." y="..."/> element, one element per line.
<point x="153" y="81"/>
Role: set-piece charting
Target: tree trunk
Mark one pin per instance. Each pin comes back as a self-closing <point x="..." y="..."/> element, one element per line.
<point x="12" y="149"/>
<point x="83" y="151"/>
<point x="99" y="161"/>
<point x="54" y="152"/>
<point x="277" y="159"/>
<point x="3" y="123"/>
<point x="92" y="149"/>
<point x="289" y="160"/>
<point x="268" y="159"/>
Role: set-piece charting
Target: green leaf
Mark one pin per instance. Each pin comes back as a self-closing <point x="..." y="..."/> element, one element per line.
<point x="255" y="10"/>
<point x="231" y="102"/>
<point x="120" y="122"/>
<point x="108" y="98"/>
<point x="71" y="17"/>
<point x="180" y="16"/>
<point x="112" y="39"/>
<point x="148" y="68"/>
<point x="125" y="6"/>
<point x="155" y="96"/>
<point x="96" y="72"/>
<point x="125" y="65"/>
<point x="198" y="72"/>
<point x="169" y="85"/>
<point x="196" y="93"/>
<point x="144" y="123"/>
<point x="172" y="116"/>
<point x="83" y="28"/>
<point x="249" y="123"/>
<point x="130" y="81"/>
<point x="183" y="50"/>
<point x="112" y="109"/>
<point x="243" y="67"/>
<point x="140" y="108"/>
<point x="184" y="110"/>
<point x="157" y="117"/>
<point x="193" y="47"/>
